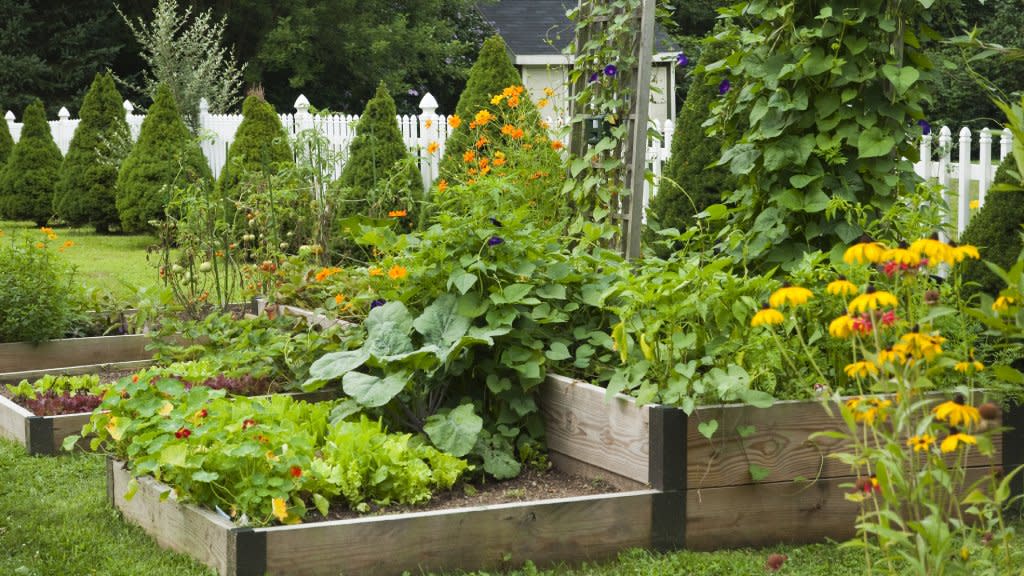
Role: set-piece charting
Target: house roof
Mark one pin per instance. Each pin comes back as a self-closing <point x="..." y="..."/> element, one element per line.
<point x="536" y="31"/>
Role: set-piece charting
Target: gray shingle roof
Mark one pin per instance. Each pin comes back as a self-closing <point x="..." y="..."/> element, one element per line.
<point x="541" y="27"/>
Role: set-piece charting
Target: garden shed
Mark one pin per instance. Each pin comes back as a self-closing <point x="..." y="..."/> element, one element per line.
<point x="537" y="33"/>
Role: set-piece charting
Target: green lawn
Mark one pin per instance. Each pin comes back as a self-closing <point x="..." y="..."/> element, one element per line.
<point x="113" y="262"/>
<point x="54" y="520"/>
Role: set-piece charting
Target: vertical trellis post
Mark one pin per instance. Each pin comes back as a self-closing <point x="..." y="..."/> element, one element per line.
<point x="632" y="219"/>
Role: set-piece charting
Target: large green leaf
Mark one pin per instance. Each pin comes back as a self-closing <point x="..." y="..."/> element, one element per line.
<point x="387" y="330"/>
<point x="873" y="143"/>
<point x="441" y="324"/>
<point x="336" y="364"/>
<point x="455" y="432"/>
<point x="901" y="78"/>
<point x="371" y="391"/>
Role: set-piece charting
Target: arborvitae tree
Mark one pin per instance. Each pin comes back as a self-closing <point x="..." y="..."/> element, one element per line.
<point x="164" y="156"/>
<point x="995" y="230"/>
<point x="26" y="187"/>
<point x="260" y="145"/>
<point x="6" y="143"/>
<point x="85" y="190"/>
<point x="689" y="185"/>
<point x="378" y="155"/>
<point x="491" y="73"/>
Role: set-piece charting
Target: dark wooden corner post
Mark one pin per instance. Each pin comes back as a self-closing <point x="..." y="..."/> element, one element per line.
<point x="1013" y="448"/>
<point x="668" y="474"/>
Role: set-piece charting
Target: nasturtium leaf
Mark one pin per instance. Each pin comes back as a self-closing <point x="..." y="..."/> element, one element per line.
<point x="873" y="143"/>
<point x="455" y="432"/>
<point x="336" y="364"/>
<point x="204" y="476"/>
<point x="708" y="428"/>
<point x="321" y="503"/>
<point x="173" y="455"/>
<point x="372" y="391"/>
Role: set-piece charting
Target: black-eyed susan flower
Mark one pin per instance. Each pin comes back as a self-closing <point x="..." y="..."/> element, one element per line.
<point x="873" y="299"/>
<point x="955" y="413"/>
<point x="841" y="327"/>
<point x="893" y="355"/>
<point x="869" y="410"/>
<point x="861" y="369"/>
<point x="766" y="316"/>
<point x="841" y="287"/>
<point x="921" y="443"/>
<point x="934" y="249"/>
<point x="921" y="345"/>
<point x="902" y="255"/>
<point x="1003" y="303"/>
<point x="950" y="443"/>
<point x="864" y="252"/>
<point x="961" y="253"/>
<point x="792" y="295"/>
<point x="968" y="366"/>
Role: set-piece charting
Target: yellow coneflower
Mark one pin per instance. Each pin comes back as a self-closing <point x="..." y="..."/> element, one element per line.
<point x="841" y="327"/>
<point x="1003" y="303"/>
<point x="902" y="255"/>
<point x="936" y="250"/>
<point x="965" y="366"/>
<point x="861" y="369"/>
<point x="868" y="410"/>
<point x="873" y="299"/>
<point x="921" y="443"/>
<point x="957" y="413"/>
<point x="841" y="287"/>
<point x="961" y="253"/>
<point x="865" y="252"/>
<point x="893" y="355"/>
<point x="950" y="443"/>
<point x="920" y="345"/>
<point x="792" y="295"/>
<point x="766" y="317"/>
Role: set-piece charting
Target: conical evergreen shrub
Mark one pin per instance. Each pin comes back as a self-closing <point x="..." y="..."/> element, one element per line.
<point x="85" y="190"/>
<point x="164" y="156"/>
<point x="490" y="75"/>
<point x="380" y="174"/>
<point x="260" y="145"/>
<point x="995" y="230"/>
<point x="688" y="185"/>
<point x="30" y="175"/>
<point x="6" y="143"/>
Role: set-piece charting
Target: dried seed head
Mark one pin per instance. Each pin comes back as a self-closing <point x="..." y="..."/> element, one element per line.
<point x="990" y="411"/>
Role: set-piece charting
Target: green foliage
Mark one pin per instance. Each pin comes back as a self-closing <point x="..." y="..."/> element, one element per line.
<point x="6" y="144"/>
<point x="690" y="183"/>
<point x="380" y="174"/>
<point x="164" y="156"/>
<point x="58" y="384"/>
<point x="831" y="95"/>
<point x="31" y="172"/>
<point x="85" y="190"/>
<point x="996" y="231"/>
<point x="38" y="293"/>
<point x="260" y="146"/>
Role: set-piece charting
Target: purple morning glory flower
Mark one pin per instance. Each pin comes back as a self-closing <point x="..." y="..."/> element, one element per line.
<point x="610" y="70"/>
<point x="682" y="60"/>
<point x="414" y="92"/>
<point x="495" y="221"/>
<point x="724" y="86"/>
<point x="594" y="76"/>
<point x="926" y="128"/>
<point x="495" y="240"/>
<point x="377" y="304"/>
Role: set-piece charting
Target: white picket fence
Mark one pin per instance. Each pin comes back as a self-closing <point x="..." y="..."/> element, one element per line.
<point x="420" y="130"/>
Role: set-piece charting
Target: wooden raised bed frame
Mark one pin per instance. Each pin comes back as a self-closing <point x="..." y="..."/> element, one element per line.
<point x="21" y="361"/>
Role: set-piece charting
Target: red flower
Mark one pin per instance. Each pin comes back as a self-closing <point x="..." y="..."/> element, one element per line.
<point x="202" y="413"/>
<point x="296" y="472"/>
<point x="135" y="377"/>
<point x="890" y="268"/>
<point x="182" y="433"/>
<point x="774" y="562"/>
<point x="863" y="324"/>
<point x="889" y="318"/>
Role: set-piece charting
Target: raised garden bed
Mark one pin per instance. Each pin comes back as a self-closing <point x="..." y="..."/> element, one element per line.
<point x="610" y="439"/>
<point x="96" y="355"/>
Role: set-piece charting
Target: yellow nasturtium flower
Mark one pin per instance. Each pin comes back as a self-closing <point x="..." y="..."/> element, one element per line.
<point x="280" y="508"/>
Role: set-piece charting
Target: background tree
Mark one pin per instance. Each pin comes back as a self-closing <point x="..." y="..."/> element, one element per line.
<point x="690" y="184"/>
<point x="28" y="180"/>
<point x="187" y="55"/>
<point x="260" y="144"/>
<point x="165" y="155"/>
<point x="6" y="143"/>
<point x="85" y="190"/>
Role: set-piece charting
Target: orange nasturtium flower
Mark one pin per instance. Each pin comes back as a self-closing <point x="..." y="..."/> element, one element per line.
<point x="397" y="272"/>
<point x="454" y="121"/>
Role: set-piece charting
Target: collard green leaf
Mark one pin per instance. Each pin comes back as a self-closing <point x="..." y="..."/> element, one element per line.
<point x="372" y="391"/>
<point x="441" y="324"/>
<point x="387" y="330"/>
<point x="455" y="432"/>
<point x="336" y="364"/>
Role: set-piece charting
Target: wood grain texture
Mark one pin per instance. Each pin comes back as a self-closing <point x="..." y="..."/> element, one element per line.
<point x="100" y="369"/>
<point x="12" y="421"/>
<point x="582" y="423"/>
<point x="21" y="356"/>
<point x="180" y="527"/>
<point x="779" y="443"/>
<point x="67" y="425"/>
<point x="505" y="535"/>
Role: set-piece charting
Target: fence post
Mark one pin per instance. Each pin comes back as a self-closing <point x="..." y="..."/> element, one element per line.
<point x="208" y="138"/>
<point x="133" y="132"/>
<point x="963" y="212"/>
<point x="428" y="134"/>
<point x="985" y="141"/>
<point x="10" y="123"/>
<point x="63" y="138"/>
<point x="926" y="156"/>
<point x="1005" y="144"/>
<point x="945" y="140"/>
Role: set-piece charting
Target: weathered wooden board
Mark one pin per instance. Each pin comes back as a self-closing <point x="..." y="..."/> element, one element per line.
<point x="12" y="421"/>
<point x="780" y="443"/>
<point x="21" y="356"/>
<point x="67" y="425"/>
<point x="582" y="423"/>
<point x="561" y="530"/>
<point x="180" y="527"/>
<point x="99" y="369"/>
<point x="766" y="514"/>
